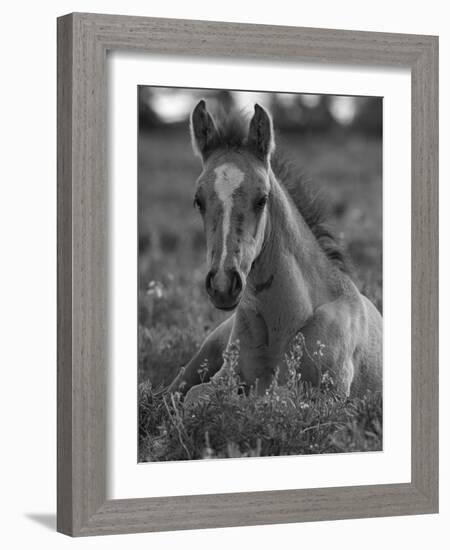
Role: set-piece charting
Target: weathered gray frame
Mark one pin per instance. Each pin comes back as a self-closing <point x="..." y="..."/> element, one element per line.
<point x="83" y="41"/>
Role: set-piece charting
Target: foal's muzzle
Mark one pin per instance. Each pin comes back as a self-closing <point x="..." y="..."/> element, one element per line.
<point x="224" y="288"/>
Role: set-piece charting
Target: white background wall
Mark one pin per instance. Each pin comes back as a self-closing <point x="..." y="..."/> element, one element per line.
<point x="28" y="270"/>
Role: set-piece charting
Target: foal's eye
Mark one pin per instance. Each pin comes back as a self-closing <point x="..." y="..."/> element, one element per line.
<point x="261" y="202"/>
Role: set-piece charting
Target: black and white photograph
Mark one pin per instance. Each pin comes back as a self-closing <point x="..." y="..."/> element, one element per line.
<point x="260" y="274"/>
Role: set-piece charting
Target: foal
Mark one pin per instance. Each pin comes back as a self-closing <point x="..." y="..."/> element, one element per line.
<point x="273" y="264"/>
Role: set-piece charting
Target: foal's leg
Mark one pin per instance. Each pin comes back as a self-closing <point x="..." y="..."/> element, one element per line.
<point x="330" y="342"/>
<point x="256" y="363"/>
<point x="208" y="359"/>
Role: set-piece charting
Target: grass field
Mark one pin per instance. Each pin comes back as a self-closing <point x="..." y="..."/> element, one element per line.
<point x="175" y="315"/>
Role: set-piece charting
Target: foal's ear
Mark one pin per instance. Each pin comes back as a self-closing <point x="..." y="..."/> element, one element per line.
<point x="260" y="134"/>
<point x="203" y="130"/>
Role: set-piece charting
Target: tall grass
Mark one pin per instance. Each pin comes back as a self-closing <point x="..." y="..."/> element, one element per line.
<point x="291" y="419"/>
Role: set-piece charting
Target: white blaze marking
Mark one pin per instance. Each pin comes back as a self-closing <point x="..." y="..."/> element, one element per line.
<point x="228" y="179"/>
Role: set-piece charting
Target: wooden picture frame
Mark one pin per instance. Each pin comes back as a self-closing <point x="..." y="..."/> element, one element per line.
<point x="83" y="41"/>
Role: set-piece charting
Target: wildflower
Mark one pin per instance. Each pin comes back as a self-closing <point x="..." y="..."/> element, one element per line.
<point x="156" y="289"/>
<point x="203" y="370"/>
<point x="327" y="381"/>
<point x="319" y="350"/>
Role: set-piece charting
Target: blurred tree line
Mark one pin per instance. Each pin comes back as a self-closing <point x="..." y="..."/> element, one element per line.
<point x="159" y="107"/>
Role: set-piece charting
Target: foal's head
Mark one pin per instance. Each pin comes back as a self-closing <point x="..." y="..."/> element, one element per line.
<point x="231" y="195"/>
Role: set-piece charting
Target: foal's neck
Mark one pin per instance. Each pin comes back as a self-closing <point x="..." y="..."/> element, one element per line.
<point x="291" y="263"/>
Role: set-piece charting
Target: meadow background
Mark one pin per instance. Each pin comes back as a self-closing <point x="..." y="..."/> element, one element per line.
<point x="337" y="140"/>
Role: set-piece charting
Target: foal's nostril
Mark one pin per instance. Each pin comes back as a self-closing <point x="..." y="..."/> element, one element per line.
<point x="209" y="283"/>
<point x="236" y="283"/>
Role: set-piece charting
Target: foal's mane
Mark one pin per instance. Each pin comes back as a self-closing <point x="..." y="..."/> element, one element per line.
<point x="232" y="130"/>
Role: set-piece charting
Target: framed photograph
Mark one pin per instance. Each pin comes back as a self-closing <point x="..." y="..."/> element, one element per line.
<point x="247" y="274"/>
